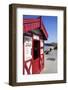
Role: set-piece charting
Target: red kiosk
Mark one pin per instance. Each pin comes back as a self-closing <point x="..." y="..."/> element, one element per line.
<point x="34" y="35"/>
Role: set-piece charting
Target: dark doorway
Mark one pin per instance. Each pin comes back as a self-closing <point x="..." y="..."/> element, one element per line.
<point x="36" y="49"/>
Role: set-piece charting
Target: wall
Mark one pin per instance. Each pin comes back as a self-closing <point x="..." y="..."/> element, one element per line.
<point x="4" y="44"/>
<point x="27" y="47"/>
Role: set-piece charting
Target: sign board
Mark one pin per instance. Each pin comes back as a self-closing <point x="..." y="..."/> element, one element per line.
<point x="27" y="48"/>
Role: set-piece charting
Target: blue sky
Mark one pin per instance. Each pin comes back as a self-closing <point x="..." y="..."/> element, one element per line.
<point x="50" y="23"/>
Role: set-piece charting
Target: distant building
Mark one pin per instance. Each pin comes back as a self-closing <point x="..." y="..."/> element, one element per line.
<point x="49" y="46"/>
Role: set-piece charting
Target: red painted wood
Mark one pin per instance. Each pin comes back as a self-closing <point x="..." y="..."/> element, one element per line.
<point x="26" y="67"/>
<point x="42" y="62"/>
<point x="31" y="26"/>
<point x="35" y="62"/>
<point x="28" y="60"/>
<point x="34" y="24"/>
<point x="36" y="66"/>
<point x="30" y="65"/>
<point x="31" y="20"/>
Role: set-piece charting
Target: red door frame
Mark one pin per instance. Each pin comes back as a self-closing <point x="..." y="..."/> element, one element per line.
<point x="33" y="54"/>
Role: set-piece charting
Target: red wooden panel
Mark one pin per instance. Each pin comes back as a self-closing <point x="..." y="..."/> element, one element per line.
<point x="36" y="66"/>
<point x="31" y="20"/>
<point x="31" y="26"/>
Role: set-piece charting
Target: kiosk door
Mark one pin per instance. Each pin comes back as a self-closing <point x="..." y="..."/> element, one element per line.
<point x="36" y="57"/>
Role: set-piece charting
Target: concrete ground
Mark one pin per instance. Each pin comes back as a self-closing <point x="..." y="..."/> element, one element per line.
<point x="50" y="61"/>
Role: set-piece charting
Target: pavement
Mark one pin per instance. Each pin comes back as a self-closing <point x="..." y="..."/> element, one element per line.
<point x="50" y="62"/>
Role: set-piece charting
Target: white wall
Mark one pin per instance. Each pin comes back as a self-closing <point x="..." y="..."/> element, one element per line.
<point x="4" y="47"/>
<point x="27" y="48"/>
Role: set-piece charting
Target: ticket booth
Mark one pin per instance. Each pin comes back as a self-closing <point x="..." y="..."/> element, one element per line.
<point x="33" y="46"/>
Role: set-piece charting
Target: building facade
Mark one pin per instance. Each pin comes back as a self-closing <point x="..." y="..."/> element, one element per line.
<point x="33" y="45"/>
